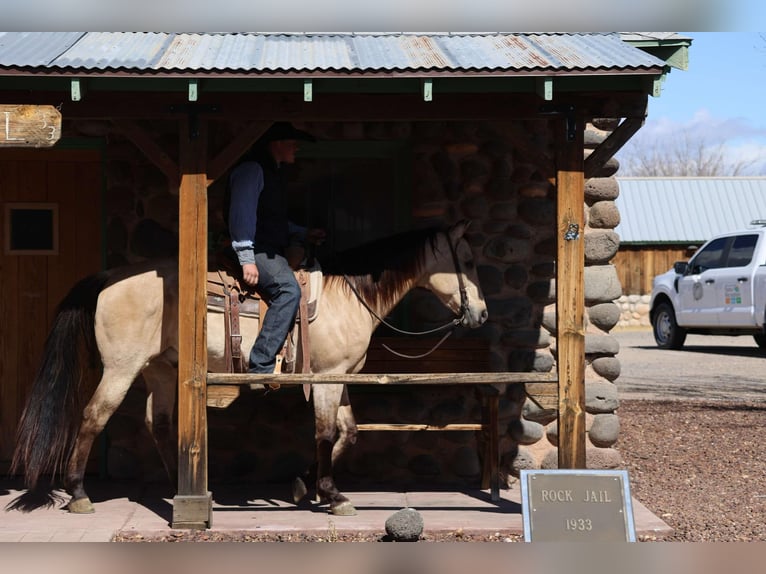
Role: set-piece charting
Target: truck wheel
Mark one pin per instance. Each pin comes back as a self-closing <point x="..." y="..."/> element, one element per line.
<point x="760" y="340"/>
<point x="667" y="333"/>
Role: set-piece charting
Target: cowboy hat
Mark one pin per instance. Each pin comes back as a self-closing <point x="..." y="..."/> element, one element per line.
<point x="285" y="131"/>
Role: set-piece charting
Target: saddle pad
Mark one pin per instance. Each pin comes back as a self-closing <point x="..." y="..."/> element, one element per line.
<point x="220" y="282"/>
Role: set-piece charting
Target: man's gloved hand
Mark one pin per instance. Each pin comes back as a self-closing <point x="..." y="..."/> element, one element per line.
<point x="250" y="273"/>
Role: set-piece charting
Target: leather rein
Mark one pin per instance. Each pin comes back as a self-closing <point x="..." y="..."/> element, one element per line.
<point x="451" y="325"/>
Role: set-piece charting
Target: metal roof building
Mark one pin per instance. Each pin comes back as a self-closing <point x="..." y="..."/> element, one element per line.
<point x="192" y="104"/>
<point x="125" y="53"/>
<point x="687" y="209"/>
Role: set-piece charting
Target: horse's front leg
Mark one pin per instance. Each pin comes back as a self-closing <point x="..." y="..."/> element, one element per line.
<point x="327" y="402"/>
<point x="347" y="431"/>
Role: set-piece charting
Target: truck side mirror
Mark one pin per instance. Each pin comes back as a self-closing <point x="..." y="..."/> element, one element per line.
<point x="680" y="267"/>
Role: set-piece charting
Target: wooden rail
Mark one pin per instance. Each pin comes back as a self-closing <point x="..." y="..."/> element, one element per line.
<point x="382" y="379"/>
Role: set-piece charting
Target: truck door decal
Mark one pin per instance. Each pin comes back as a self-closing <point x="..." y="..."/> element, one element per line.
<point x="732" y="294"/>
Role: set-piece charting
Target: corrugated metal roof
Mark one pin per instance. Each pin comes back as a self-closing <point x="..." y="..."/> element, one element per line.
<point x="687" y="209"/>
<point x="34" y="49"/>
<point x="654" y="37"/>
<point x="252" y="52"/>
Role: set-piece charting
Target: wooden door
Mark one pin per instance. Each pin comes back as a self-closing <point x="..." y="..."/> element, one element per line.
<point x="51" y="230"/>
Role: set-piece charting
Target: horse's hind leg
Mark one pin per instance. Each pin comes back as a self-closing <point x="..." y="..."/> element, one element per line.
<point x="109" y="394"/>
<point x="327" y="402"/>
<point x="161" y="382"/>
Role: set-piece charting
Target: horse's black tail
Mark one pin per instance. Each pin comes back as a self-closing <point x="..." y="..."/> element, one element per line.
<point x="53" y="412"/>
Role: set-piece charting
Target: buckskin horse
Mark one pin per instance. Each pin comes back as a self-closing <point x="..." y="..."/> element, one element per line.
<point x="125" y="322"/>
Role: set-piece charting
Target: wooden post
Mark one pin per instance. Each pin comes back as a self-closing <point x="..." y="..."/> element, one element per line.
<point x="570" y="294"/>
<point x="192" y="505"/>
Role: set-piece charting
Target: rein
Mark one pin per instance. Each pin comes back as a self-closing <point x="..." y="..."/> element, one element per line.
<point x="450" y="325"/>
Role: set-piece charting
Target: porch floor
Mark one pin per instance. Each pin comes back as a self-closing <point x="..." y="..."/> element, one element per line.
<point x="136" y="509"/>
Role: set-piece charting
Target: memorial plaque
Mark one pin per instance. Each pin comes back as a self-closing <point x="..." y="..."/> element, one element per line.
<point x="29" y="126"/>
<point x="577" y="505"/>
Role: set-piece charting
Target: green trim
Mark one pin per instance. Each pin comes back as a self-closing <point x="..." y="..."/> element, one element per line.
<point x="526" y="84"/>
<point x="98" y="144"/>
<point x="674" y="52"/>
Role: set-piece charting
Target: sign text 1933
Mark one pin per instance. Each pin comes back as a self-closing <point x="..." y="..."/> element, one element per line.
<point x="571" y="505"/>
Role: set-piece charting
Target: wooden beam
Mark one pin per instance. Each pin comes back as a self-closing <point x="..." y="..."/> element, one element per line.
<point x="570" y="299"/>
<point x="192" y="504"/>
<point x="153" y="152"/>
<point x="262" y="106"/>
<point x="419" y="427"/>
<point x="611" y="145"/>
<point x="381" y="379"/>
<point x="235" y="149"/>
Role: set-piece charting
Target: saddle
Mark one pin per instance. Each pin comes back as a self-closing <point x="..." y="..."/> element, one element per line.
<point x="227" y="293"/>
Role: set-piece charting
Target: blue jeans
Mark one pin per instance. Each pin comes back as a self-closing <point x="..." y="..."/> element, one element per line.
<point x="277" y="284"/>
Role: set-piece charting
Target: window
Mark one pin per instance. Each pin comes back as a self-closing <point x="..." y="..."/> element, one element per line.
<point x="31" y="228"/>
<point x="742" y="251"/>
<point x="710" y="257"/>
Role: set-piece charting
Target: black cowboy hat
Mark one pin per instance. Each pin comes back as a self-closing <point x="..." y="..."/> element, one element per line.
<point x="285" y="131"/>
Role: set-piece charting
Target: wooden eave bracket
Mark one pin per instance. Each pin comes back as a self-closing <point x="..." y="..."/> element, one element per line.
<point x="150" y="149"/>
<point x="611" y="145"/>
<point x="168" y="166"/>
<point x="235" y="149"/>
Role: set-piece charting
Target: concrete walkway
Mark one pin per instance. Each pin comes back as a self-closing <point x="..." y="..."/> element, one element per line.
<point x="147" y="510"/>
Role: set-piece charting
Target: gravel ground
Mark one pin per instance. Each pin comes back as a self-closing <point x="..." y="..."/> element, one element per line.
<point x="698" y="465"/>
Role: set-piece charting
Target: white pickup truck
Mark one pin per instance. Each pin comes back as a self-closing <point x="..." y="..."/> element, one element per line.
<point x="721" y="290"/>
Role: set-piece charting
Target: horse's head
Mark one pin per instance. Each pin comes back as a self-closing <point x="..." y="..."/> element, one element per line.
<point x="453" y="278"/>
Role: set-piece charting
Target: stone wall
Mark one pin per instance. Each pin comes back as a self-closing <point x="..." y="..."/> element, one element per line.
<point x="498" y="175"/>
<point x="634" y="311"/>
<point x="602" y="287"/>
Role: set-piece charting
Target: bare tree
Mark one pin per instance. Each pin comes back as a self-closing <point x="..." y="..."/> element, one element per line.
<point x="679" y="156"/>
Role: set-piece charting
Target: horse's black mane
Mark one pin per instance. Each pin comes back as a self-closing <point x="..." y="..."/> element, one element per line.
<point x="380" y="270"/>
<point x="402" y="252"/>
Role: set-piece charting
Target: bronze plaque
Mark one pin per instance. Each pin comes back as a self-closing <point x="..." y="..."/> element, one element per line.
<point x="577" y="505"/>
<point x="29" y="126"/>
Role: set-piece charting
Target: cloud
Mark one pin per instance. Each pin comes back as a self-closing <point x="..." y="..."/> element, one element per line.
<point x="704" y="126"/>
<point x="749" y="152"/>
<point x="741" y="142"/>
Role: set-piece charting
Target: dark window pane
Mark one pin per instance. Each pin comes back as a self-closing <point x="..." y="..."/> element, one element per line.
<point x="31" y="229"/>
<point x="709" y="257"/>
<point x="742" y="251"/>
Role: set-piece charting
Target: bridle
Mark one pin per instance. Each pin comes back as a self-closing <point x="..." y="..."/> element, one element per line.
<point x="451" y="325"/>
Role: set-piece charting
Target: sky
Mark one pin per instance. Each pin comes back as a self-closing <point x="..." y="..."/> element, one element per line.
<point x="719" y="100"/>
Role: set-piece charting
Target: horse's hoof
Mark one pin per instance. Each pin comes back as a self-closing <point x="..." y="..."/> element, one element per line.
<point x="299" y="490"/>
<point x="81" y="506"/>
<point x="344" y="508"/>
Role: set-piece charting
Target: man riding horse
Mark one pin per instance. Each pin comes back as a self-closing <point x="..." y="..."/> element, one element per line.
<point x="260" y="231"/>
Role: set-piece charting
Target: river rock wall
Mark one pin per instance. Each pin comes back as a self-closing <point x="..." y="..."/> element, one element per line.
<point x="497" y="174"/>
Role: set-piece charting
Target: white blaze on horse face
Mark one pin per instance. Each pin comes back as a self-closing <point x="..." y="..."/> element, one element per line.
<point x="476" y="313"/>
<point x="443" y="282"/>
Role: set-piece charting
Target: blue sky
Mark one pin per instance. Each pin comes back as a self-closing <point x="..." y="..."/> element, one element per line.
<point x="720" y="99"/>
